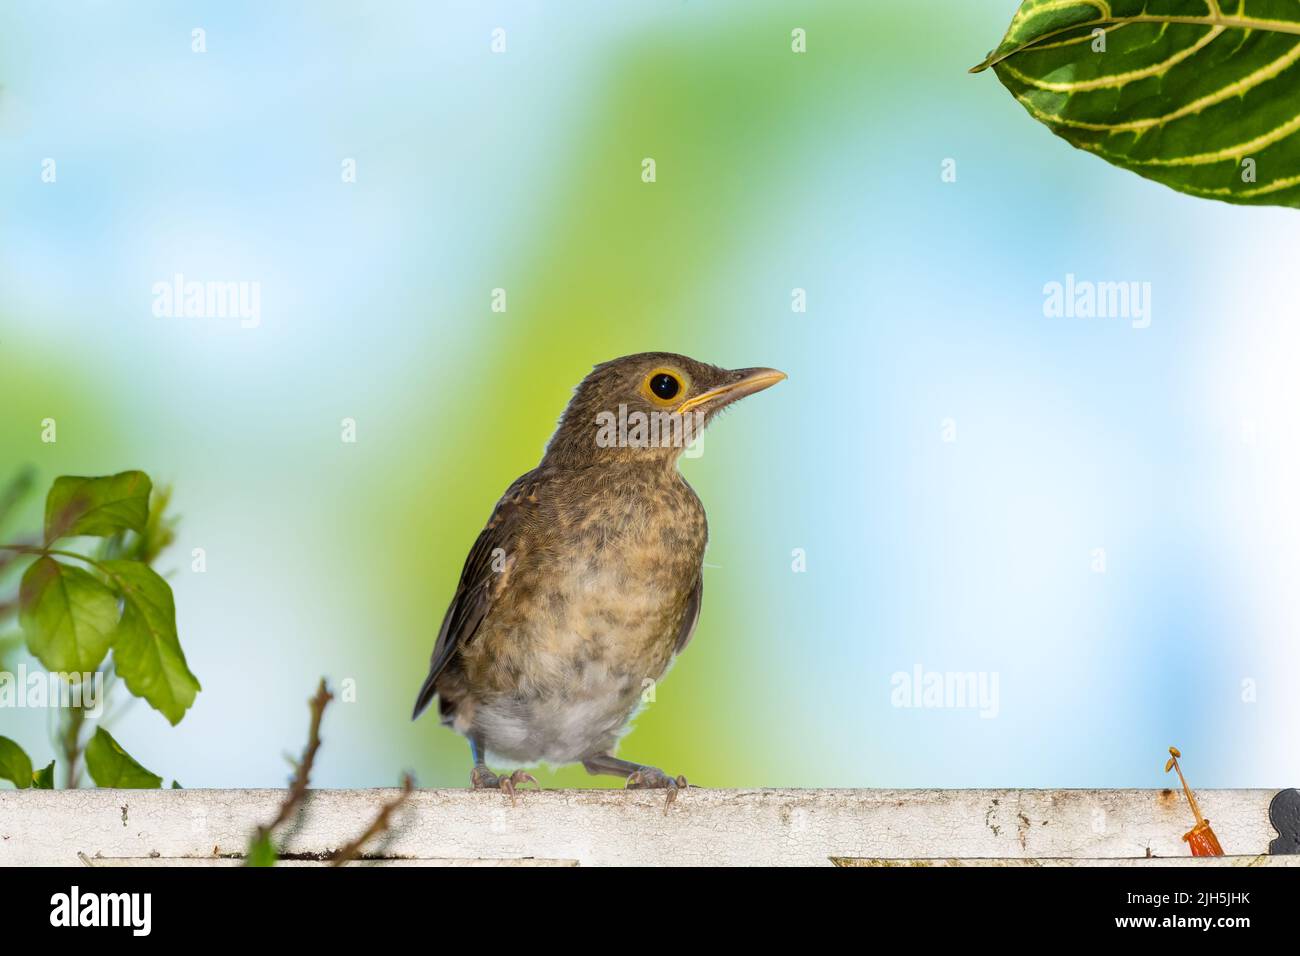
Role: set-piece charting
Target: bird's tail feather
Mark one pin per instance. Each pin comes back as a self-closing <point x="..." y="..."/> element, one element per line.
<point x="427" y="693"/>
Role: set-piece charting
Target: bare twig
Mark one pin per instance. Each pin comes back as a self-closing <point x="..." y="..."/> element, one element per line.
<point x="302" y="772"/>
<point x="377" y="826"/>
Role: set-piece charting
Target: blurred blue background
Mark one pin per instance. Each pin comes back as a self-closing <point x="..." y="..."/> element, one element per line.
<point x="949" y="459"/>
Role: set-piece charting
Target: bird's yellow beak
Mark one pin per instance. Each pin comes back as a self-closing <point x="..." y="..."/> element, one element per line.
<point x="751" y="380"/>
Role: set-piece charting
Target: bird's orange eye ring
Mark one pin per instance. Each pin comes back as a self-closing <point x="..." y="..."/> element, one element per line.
<point x="664" y="387"/>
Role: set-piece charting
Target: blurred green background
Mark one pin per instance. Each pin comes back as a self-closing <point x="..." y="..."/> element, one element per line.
<point x="521" y="170"/>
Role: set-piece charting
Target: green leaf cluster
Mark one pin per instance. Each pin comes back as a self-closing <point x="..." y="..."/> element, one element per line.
<point x="109" y="764"/>
<point x="73" y="616"/>
<point x="76" y="608"/>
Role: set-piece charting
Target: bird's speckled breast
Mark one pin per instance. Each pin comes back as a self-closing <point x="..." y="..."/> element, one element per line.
<point x="598" y="594"/>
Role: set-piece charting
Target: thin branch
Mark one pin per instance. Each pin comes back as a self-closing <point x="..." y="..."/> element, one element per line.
<point x="46" y="552"/>
<point x="12" y="552"/>
<point x="70" y="745"/>
<point x="302" y="772"/>
<point x="377" y="826"/>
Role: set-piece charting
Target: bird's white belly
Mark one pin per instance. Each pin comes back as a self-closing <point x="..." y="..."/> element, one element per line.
<point x="586" y="719"/>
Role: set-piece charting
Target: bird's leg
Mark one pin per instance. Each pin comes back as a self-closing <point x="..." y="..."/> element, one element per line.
<point x="639" y="776"/>
<point x="481" y="778"/>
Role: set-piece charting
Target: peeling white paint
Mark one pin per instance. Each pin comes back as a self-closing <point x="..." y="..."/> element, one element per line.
<point x="603" y="827"/>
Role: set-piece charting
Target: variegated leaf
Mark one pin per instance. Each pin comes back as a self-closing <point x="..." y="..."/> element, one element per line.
<point x="1201" y="95"/>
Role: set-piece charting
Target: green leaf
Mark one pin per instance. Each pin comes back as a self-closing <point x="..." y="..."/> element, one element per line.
<point x="1201" y="95"/>
<point x="146" y="650"/>
<point x="68" y="616"/>
<point x="97" y="506"/>
<point x="15" y="765"/>
<point x="261" y="852"/>
<point x="44" y="779"/>
<point x="111" y="766"/>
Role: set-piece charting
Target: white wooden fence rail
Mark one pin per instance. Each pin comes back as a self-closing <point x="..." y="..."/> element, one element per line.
<point x="611" y="827"/>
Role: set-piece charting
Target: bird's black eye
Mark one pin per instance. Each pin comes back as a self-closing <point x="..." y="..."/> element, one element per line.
<point x="665" y="386"/>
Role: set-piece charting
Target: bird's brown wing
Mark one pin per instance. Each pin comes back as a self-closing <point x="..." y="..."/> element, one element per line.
<point x="481" y="580"/>
<point x="692" y="615"/>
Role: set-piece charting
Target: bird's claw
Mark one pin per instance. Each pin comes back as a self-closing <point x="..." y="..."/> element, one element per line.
<point x="519" y="777"/>
<point x="481" y="778"/>
<point x="652" y="778"/>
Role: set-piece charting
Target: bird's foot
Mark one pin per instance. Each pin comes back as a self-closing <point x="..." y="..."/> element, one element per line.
<point x="652" y="778"/>
<point x="481" y="778"/>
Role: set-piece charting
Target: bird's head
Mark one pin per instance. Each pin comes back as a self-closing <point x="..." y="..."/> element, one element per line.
<point x="648" y="406"/>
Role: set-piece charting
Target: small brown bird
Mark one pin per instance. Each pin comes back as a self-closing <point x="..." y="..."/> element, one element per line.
<point x="586" y="582"/>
